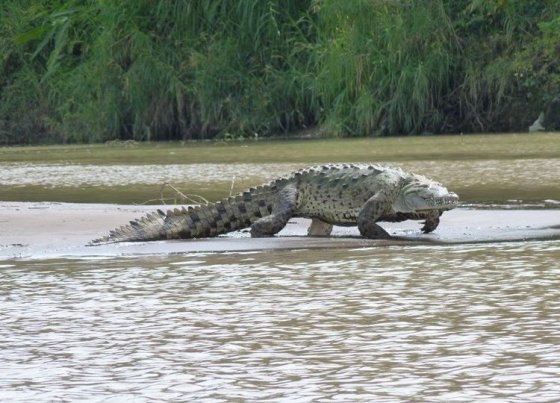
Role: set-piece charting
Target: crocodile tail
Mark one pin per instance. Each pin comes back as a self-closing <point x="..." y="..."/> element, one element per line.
<point x="203" y="221"/>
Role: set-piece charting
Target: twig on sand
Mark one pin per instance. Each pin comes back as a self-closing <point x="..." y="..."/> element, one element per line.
<point x="194" y="199"/>
<point x="187" y="199"/>
<point x="231" y="188"/>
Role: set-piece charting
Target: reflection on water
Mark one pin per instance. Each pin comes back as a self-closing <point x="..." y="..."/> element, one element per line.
<point x="444" y="323"/>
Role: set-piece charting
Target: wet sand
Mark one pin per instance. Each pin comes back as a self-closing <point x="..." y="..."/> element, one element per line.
<point x="54" y="230"/>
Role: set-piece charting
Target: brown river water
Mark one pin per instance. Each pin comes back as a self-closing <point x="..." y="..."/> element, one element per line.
<point x="442" y="323"/>
<point x="474" y="180"/>
<point x="426" y="323"/>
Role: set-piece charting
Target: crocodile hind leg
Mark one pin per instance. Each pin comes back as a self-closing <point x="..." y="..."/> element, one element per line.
<point x="432" y="221"/>
<point x="282" y="211"/>
<point x="319" y="228"/>
<point x="371" y="211"/>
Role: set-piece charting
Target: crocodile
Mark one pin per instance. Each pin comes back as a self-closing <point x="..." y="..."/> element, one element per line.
<point x="333" y="194"/>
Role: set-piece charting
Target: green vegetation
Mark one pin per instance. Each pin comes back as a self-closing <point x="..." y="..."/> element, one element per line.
<point x="95" y="70"/>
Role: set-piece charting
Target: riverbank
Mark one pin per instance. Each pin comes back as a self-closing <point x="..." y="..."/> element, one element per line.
<point x="371" y="149"/>
<point x="55" y="230"/>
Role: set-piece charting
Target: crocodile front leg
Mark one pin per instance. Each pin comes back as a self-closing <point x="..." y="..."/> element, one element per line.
<point x="371" y="211"/>
<point x="432" y="221"/>
<point x="282" y="211"/>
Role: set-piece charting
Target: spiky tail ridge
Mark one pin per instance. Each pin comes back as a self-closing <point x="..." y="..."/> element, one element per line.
<point x="207" y="220"/>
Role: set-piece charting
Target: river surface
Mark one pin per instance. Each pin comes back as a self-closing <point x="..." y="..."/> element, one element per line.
<point x="522" y="173"/>
<point x="442" y="323"/>
<point x="475" y="180"/>
<point x="426" y="323"/>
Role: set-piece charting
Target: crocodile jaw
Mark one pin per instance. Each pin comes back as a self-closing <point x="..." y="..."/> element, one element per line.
<point x="447" y="202"/>
<point x="425" y="196"/>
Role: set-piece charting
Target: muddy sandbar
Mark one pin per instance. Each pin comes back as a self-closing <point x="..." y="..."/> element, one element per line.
<point x="53" y="230"/>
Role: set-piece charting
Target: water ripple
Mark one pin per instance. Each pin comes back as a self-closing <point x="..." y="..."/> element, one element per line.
<point x="520" y="174"/>
<point x="444" y="323"/>
<point x="19" y="174"/>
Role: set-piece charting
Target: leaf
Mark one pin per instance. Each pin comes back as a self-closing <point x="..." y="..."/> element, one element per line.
<point x="32" y="35"/>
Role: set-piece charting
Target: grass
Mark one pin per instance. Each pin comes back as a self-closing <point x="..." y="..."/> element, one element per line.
<point x="467" y="147"/>
<point x="75" y="71"/>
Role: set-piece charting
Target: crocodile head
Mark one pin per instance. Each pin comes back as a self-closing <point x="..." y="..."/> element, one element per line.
<point x="421" y="194"/>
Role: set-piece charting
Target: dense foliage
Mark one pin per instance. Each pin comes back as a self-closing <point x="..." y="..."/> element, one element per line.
<point x="97" y="70"/>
